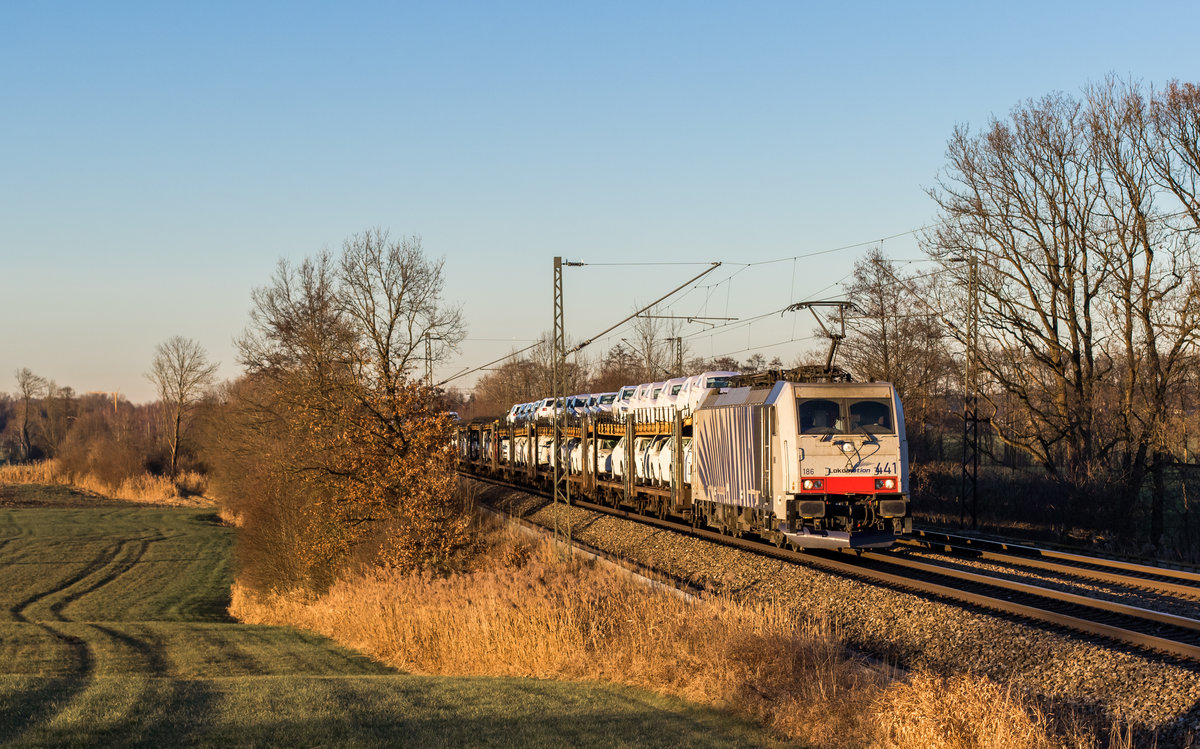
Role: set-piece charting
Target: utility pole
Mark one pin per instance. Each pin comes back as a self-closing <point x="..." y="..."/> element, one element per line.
<point x="428" y="361"/>
<point x="429" y="339"/>
<point x="969" y="491"/>
<point x="678" y="354"/>
<point x="561" y="487"/>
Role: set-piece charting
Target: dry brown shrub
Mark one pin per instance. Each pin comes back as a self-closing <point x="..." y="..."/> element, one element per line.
<point x="965" y="711"/>
<point x="191" y="483"/>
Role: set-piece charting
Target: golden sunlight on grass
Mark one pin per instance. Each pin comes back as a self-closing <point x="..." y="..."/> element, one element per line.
<point x="968" y="712"/>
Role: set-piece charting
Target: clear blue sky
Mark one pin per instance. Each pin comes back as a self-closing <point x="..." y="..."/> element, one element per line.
<point x="158" y="158"/>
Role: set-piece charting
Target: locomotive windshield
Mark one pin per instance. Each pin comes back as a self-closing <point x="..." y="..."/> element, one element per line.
<point x="845" y="416"/>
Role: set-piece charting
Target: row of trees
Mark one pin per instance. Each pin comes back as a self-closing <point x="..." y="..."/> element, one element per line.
<point x="88" y="434"/>
<point x="101" y="434"/>
<point x="1067" y="243"/>
<point x="1080" y="216"/>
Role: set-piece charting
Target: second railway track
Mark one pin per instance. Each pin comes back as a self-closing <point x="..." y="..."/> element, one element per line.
<point x="1158" y="579"/>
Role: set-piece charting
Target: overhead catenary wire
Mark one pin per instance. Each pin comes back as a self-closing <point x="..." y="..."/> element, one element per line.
<point x="801" y="256"/>
<point x="588" y="341"/>
<point x="481" y="366"/>
<point x="709" y="290"/>
<point x="747" y="322"/>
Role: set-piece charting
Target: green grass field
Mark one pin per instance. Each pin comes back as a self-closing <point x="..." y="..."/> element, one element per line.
<point x="113" y="632"/>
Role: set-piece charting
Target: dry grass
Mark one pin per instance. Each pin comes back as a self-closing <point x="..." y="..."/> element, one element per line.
<point x="530" y="613"/>
<point x="969" y="712"/>
<point x="525" y="611"/>
<point x="187" y="489"/>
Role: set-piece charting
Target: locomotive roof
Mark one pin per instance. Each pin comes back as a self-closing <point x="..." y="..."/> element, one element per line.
<point x="845" y="390"/>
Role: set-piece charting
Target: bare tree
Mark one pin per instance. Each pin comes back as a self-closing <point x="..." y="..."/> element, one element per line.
<point x="1156" y="299"/>
<point x="893" y="335"/>
<point x="1173" y="140"/>
<point x="517" y="381"/>
<point x="619" y="367"/>
<point x="59" y="413"/>
<point x="653" y="339"/>
<point x="182" y="374"/>
<point x="1019" y="199"/>
<point x="30" y="387"/>
<point x="1081" y="216"/>
<point x="391" y="292"/>
<point x="335" y="408"/>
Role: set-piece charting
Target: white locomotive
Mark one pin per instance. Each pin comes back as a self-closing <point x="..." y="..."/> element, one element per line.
<point x="803" y="457"/>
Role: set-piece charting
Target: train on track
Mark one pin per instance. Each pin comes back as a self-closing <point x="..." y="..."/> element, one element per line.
<point x="803" y="457"/>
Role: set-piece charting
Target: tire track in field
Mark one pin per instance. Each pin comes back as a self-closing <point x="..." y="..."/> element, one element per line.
<point x="117" y="566"/>
<point x="101" y="560"/>
<point x="58" y="694"/>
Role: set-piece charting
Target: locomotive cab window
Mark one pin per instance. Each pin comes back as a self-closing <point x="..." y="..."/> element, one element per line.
<point x="871" y="416"/>
<point x="820" y="416"/>
<point x="845" y="416"/>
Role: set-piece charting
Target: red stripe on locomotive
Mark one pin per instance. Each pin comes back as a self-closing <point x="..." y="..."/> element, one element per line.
<point x="853" y="485"/>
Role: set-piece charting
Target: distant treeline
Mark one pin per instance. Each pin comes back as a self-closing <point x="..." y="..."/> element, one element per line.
<point x="94" y="433"/>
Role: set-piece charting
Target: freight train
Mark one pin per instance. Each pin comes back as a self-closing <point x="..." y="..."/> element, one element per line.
<point x="804" y="457"/>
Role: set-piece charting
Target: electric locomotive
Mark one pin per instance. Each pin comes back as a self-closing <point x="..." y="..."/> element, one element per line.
<point x="803" y="457"/>
<point x="813" y="464"/>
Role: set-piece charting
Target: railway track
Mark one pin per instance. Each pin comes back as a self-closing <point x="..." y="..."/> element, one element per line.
<point x="1157" y="579"/>
<point x="1169" y="634"/>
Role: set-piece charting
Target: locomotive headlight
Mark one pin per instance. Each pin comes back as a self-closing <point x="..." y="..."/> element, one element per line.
<point x="887" y="484"/>
<point x="807" y="483"/>
<point x="812" y="483"/>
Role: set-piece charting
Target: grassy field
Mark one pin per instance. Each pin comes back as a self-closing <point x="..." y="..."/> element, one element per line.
<point x="114" y="631"/>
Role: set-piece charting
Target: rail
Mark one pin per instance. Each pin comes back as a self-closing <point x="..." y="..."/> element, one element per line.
<point x="1169" y="634"/>
<point x="1160" y="579"/>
